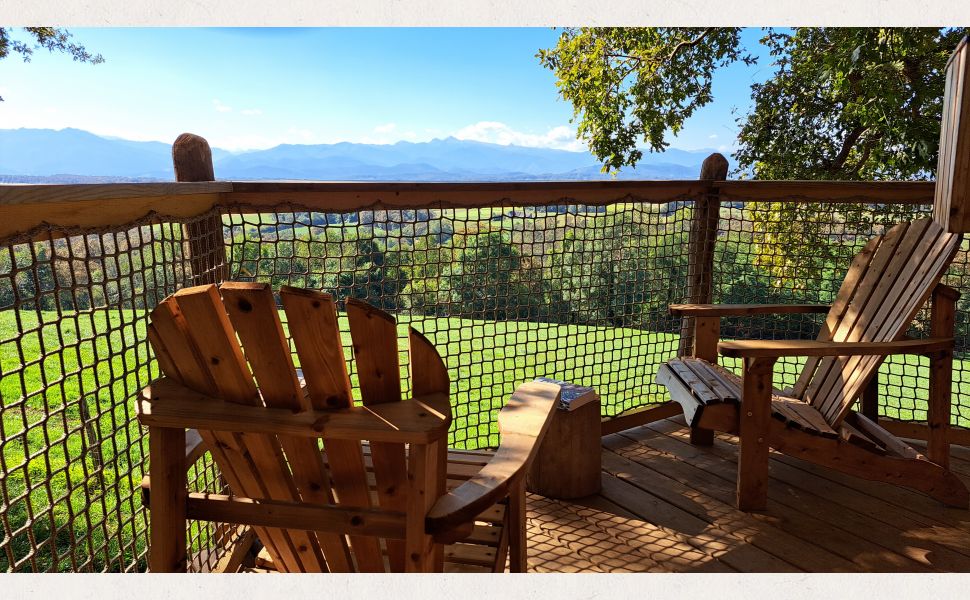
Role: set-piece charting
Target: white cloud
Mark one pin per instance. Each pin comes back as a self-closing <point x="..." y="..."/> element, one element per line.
<point x="250" y="111"/>
<point x="494" y="132"/>
<point x="713" y="136"/>
<point x="219" y="106"/>
<point x="385" y="128"/>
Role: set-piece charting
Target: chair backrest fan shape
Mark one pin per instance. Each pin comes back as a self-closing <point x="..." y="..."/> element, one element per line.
<point x="886" y="285"/>
<point x="234" y="347"/>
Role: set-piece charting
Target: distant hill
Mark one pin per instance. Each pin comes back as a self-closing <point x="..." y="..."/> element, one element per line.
<point x="73" y="155"/>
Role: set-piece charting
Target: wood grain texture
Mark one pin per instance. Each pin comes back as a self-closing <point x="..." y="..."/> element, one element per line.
<point x="568" y="462"/>
<point x="779" y="348"/>
<point x="938" y="412"/>
<point x="111" y="214"/>
<point x="167" y="550"/>
<point x="295" y="515"/>
<point x="166" y="403"/>
<point x="755" y="421"/>
<point x="35" y="194"/>
<point x="212" y="333"/>
<point x="738" y="310"/>
<point x="227" y="449"/>
<point x="351" y="196"/>
<point x="833" y="192"/>
<point x="634" y="418"/>
<point x="522" y="424"/>
<point x="374" y="336"/>
<point x="702" y="237"/>
<point x="952" y="194"/>
<point x="312" y="317"/>
<point x="252" y="310"/>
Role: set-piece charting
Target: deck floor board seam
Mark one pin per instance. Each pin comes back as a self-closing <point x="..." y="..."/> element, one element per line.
<point x="883" y="533"/>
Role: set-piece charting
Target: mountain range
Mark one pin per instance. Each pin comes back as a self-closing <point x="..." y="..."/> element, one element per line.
<point x="74" y="155"/>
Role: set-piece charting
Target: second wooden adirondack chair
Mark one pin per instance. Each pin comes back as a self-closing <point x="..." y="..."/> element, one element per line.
<point x="388" y="504"/>
<point x="887" y="283"/>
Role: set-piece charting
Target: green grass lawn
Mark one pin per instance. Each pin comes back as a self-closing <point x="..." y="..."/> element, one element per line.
<point x="87" y="516"/>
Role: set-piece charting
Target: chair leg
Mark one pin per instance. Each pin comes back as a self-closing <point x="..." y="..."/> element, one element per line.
<point x="518" y="551"/>
<point x="701" y="437"/>
<point x="755" y="419"/>
<point x="942" y="324"/>
<point x="167" y="544"/>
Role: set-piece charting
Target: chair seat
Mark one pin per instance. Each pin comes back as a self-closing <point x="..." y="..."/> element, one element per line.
<point x="484" y="551"/>
<point x="711" y="384"/>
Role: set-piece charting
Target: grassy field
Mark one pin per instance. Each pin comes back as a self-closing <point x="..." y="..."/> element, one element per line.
<point x="85" y="512"/>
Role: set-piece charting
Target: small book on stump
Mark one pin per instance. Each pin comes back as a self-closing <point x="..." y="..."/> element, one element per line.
<point x="572" y="396"/>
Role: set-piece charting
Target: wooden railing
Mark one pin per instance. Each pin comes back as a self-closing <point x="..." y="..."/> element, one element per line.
<point x="103" y="205"/>
<point x="80" y="207"/>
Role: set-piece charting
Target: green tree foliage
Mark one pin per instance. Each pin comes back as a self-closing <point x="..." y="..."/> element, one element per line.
<point x="490" y="282"/>
<point x="616" y="271"/>
<point x="377" y="277"/>
<point x="630" y="85"/>
<point x="51" y="38"/>
<point x="843" y="104"/>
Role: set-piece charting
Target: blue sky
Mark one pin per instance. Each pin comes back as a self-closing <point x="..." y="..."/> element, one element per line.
<point x="256" y="88"/>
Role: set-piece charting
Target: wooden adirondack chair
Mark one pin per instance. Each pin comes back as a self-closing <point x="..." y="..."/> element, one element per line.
<point x="388" y="504"/>
<point x="887" y="283"/>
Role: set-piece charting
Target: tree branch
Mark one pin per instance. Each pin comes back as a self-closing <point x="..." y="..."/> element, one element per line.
<point x="689" y="43"/>
<point x="839" y="161"/>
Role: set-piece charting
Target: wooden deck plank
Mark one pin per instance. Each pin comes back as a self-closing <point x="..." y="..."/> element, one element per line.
<point x="774" y="534"/>
<point x="706" y="537"/>
<point x="667" y="506"/>
<point x="896" y="533"/>
<point x="593" y="529"/>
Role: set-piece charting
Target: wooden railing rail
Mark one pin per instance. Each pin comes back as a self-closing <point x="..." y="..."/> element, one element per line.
<point x="83" y="206"/>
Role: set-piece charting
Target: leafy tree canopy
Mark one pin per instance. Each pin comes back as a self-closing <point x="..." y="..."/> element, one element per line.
<point x="52" y="38"/>
<point x="844" y="103"/>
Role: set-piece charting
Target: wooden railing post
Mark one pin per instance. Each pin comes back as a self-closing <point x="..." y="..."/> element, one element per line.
<point x="700" y="250"/>
<point x="192" y="159"/>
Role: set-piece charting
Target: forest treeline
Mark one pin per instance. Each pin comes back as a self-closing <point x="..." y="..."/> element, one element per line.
<point x="616" y="268"/>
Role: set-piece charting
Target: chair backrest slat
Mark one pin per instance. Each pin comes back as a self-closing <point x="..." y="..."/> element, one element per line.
<point x="847" y="291"/>
<point x="190" y="368"/>
<point x="312" y="320"/>
<point x="213" y="334"/>
<point x="252" y="311"/>
<point x="888" y="283"/>
<point x="374" y="336"/>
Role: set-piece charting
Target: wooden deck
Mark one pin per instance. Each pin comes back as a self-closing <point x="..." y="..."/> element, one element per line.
<point x="668" y="506"/>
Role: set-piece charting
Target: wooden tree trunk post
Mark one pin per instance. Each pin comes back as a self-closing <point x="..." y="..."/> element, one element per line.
<point x="698" y="337"/>
<point x="938" y="412"/>
<point x="192" y="159"/>
<point x="700" y="248"/>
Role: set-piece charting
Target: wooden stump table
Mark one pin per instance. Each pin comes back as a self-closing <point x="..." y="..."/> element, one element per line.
<point x="569" y="460"/>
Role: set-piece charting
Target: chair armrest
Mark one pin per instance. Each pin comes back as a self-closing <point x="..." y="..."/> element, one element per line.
<point x="167" y="403"/>
<point x="740" y="310"/>
<point x="522" y="424"/>
<point x="779" y="348"/>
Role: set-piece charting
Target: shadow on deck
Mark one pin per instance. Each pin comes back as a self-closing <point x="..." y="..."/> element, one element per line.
<point x="668" y="506"/>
